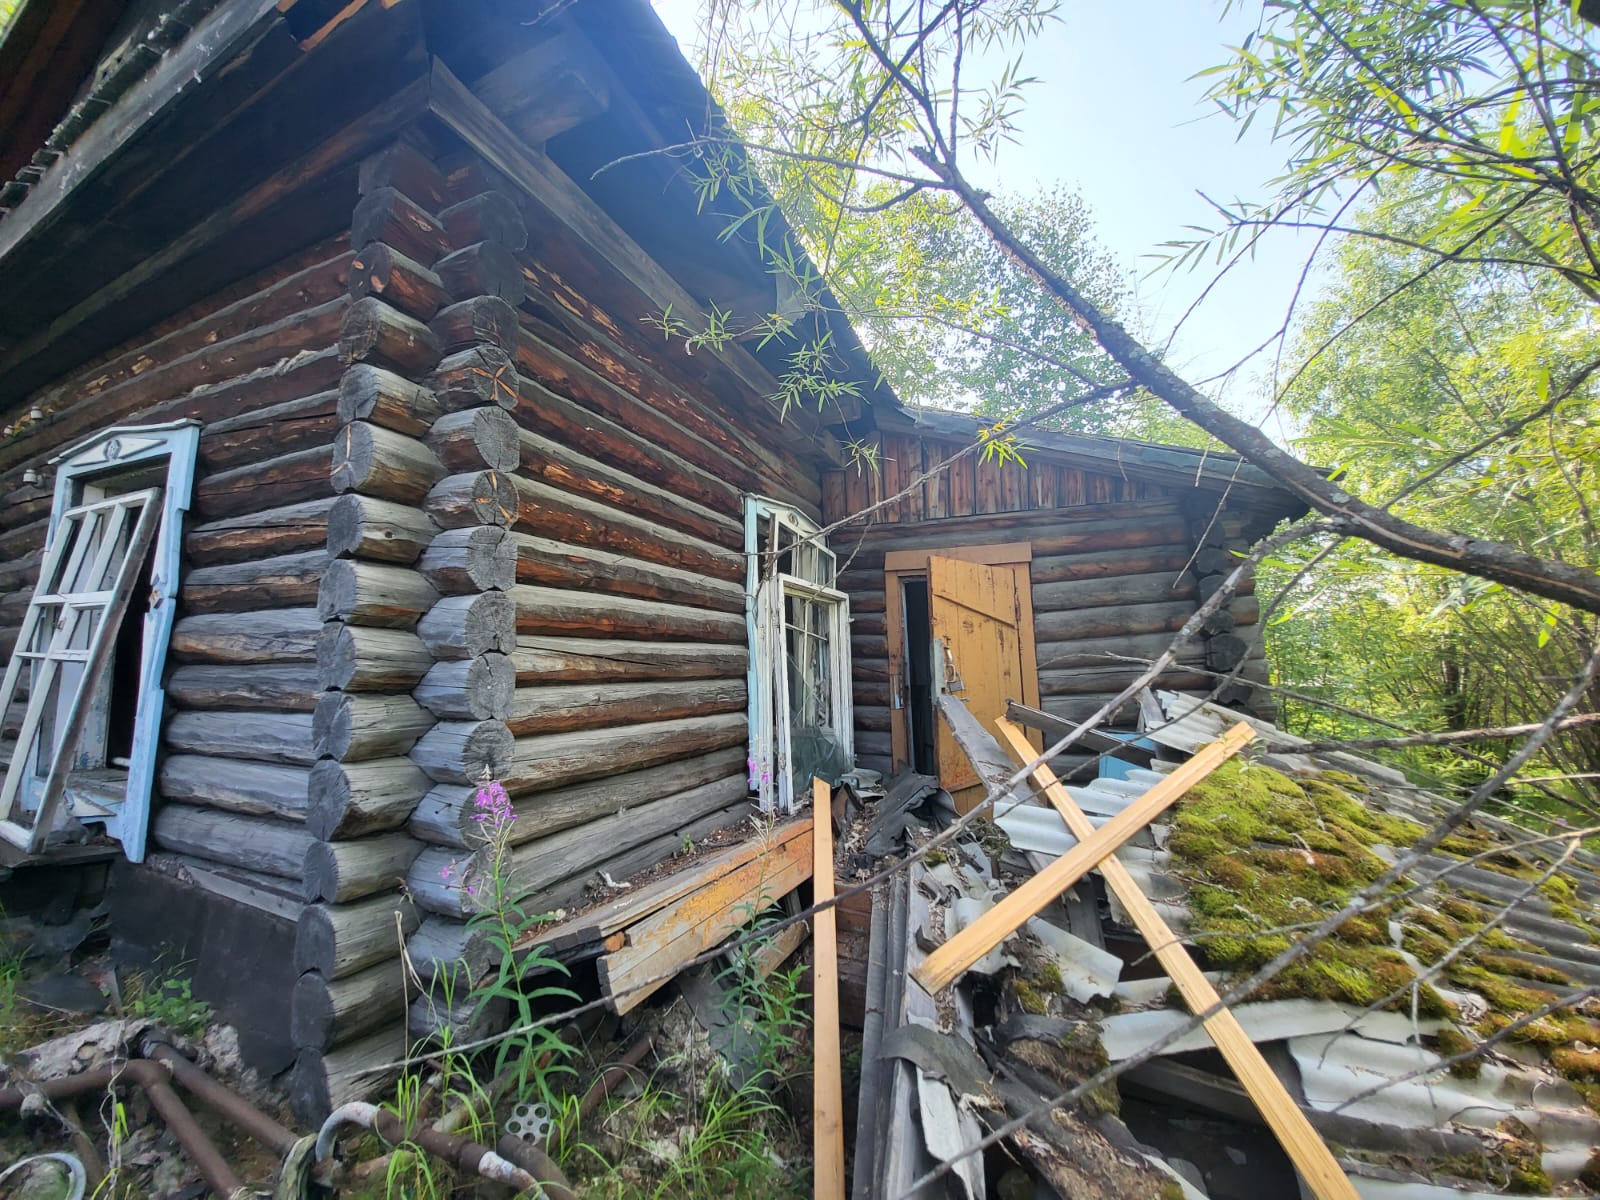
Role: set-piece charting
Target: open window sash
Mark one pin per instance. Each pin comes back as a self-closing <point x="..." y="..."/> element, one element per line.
<point x="120" y="497"/>
<point x="806" y="631"/>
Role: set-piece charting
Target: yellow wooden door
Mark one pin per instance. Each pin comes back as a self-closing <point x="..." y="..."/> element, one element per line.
<point x="978" y="616"/>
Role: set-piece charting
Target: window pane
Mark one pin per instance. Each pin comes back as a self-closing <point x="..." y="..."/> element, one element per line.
<point x="814" y="743"/>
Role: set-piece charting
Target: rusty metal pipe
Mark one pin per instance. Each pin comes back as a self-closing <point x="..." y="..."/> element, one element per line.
<point x="601" y="1088"/>
<point x="453" y="1148"/>
<point x="155" y="1081"/>
<point x="221" y="1099"/>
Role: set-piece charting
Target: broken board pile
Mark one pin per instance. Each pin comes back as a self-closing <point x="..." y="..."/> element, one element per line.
<point x="992" y="990"/>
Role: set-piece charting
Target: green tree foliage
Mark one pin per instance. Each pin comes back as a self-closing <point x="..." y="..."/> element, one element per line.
<point x="1439" y="397"/>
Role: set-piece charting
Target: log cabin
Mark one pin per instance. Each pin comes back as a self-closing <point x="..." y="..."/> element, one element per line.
<point x="347" y="464"/>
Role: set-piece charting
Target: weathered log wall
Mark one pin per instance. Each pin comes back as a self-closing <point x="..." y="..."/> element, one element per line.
<point x="1108" y="580"/>
<point x="258" y="366"/>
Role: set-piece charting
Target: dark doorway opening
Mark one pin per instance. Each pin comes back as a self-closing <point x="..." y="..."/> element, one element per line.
<point x="919" y="676"/>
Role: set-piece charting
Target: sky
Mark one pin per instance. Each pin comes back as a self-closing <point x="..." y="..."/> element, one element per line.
<point x="1117" y="115"/>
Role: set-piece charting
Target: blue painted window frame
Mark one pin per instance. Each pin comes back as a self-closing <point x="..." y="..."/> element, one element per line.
<point x="83" y="466"/>
<point x="768" y="753"/>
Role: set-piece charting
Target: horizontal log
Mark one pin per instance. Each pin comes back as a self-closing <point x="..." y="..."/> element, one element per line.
<point x="287" y="479"/>
<point x="583" y="568"/>
<point x="574" y="660"/>
<point x="578" y="888"/>
<point x="265" y="737"/>
<point x="366" y="527"/>
<point x="356" y="658"/>
<point x="873" y="718"/>
<point x="276" y="848"/>
<point x="388" y="216"/>
<point x="446" y="1017"/>
<point x="873" y="744"/>
<point x="290" y="687"/>
<point x="559" y="420"/>
<point x="369" y="393"/>
<point x="378" y="594"/>
<point x="287" y="581"/>
<point x="1105" y="564"/>
<point x="349" y="799"/>
<point x="274" y="636"/>
<point x="464" y="751"/>
<point x="257" y="789"/>
<point x="486" y="319"/>
<point x="447" y="815"/>
<point x="1079" y="624"/>
<point x="327" y="1012"/>
<point x="440" y="878"/>
<point x="377" y="332"/>
<point x="303" y="423"/>
<point x="409" y="171"/>
<point x="615" y="384"/>
<point x="339" y="872"/>
<point x="1112" y="591"/>
<point x="1110" y="680"/>
<point x="550" y="512"/>
<point x="465" y="561"/>
<point x="460" y="627"/>
<point x="321" y="1081"/>
<point x="276" y="531"/>
<point x="554" y="759"/>
<point x="555" y="611"/>
<point x="473" y="439"/>
<point x="375" y="461"/>
<point x="278" y="306"/>
<point x="1048" y="534"/>
<point x="562" y="467"/>
<point x="1103" y="652"/>
<point x="336" y="941"/>
<point x="564" y="707"/>
<point x="474" y="689"/>
<point x="490" y="216"/>
<point x="445" y="949"/>
<point x="873" y="669"/>
<point x="206" y="383"/>
<point x="351" y="727"/>
<point x="1077" y="709"/>
<point x="477" y="376"/>
<point x="382" y="271"/>
<point x="482" y="269"/>
<point x="473" y="498"/>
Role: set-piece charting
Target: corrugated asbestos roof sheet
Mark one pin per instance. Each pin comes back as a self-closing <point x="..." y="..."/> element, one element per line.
<point x="1373" y="1083"/>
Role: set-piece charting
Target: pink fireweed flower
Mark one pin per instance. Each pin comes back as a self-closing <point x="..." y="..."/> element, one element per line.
<point x="493" y="804"/>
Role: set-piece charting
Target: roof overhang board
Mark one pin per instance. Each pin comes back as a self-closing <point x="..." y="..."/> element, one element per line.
<point x="190" y="184"/>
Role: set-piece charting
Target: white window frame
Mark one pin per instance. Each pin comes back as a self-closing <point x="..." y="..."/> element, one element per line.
<point x="766" y="592"/>
<point x="82" y="473"/>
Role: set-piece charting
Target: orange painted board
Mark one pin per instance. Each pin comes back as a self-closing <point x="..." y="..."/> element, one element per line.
<point x="827" y="1074"/>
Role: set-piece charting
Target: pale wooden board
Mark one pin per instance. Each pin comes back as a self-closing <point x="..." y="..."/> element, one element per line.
<point x="827" y="1086"/>
<point x="1094" y="849"/>
<point x="1289" y="1125"/>
<point x="599" y="924"/>
<point x="658" y="946"/>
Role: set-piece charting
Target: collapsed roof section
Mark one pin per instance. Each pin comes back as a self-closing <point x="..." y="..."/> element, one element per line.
<point x="1416" y="1041"/>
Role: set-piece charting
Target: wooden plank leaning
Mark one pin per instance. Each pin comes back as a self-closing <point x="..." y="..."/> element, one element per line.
<point x="827" y="1091"/>
<point x="1308" y="1152"/>
<point x="1095" y="847"/>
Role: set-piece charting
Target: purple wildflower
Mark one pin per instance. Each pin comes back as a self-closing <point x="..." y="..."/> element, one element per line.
<point x="493" y="805"/>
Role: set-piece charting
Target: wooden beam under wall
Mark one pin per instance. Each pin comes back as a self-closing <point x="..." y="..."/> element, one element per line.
<point x="827" y="1151"/>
